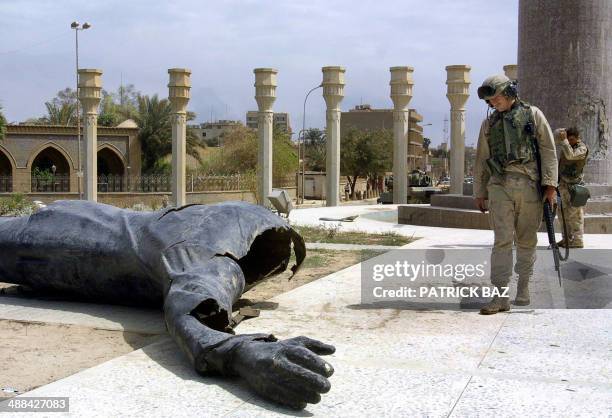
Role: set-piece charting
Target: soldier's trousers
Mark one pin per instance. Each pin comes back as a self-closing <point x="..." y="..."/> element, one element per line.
<point x="574" y="217"/>
<point x="515" y="209"/>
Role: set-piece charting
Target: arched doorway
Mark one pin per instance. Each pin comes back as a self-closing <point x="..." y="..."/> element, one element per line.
<point x="6" y="174"/>
<point x="110" y="171"/>
<point x="50" y="172"/>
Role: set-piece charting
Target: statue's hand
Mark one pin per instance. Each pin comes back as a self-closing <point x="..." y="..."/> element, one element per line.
<point x="289" y="372"/>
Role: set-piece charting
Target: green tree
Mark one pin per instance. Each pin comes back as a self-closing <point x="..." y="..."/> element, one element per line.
<point x="366" y="154"/>
<point x="155" y="132"/>
<point x="59" y="114"/>
<point x="239" y="154"/>
<point x="284" y="156"/>
<point x="2" y="124"/>
<point x="126" y="99"/>
<point x="61" y="110"/>
<point x="314" y="149"/>
<point x="108" y="112"/>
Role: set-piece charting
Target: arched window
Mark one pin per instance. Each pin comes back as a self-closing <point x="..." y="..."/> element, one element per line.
<point x="110" y="171"/>
<point x="6" y="174"/>
<point x="50" y="172"/>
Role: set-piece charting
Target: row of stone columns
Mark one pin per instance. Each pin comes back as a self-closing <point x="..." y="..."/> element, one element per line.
<point x="401" y="84"/>
<point x="90" y="88"/>
<point x="265" y="95"/>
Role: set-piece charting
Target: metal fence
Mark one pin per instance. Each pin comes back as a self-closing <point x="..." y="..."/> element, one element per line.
<point x="150" y="183"/>
<point x="57" y="184"/>
<point x="163" y="183"/>
<point x="6" y="184"/>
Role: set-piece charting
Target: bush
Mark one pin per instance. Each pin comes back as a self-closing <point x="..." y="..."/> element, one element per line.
<point x="16" y="205"/>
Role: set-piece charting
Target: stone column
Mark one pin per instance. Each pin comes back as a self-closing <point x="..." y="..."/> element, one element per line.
<point x="333" y="93"/>
<point x="401" y="93"/>
<point x="565" y="63"/>
<point x="458" y="84"/>
<point x="511" y="71"/>
<point x="178" y="94"/>
<point x="90" y="86"/>
<point x="265" y="95"/>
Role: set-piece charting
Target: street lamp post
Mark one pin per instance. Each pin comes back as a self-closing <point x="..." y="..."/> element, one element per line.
<point x="53" y="170"/>
<point x="77" y="27"/>
<point x="303" y="153"/>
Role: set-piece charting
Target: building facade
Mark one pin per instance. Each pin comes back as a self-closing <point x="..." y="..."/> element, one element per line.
<point x="280" y="120"/>
<point x="35" y="158"/>
<point x="363" y="117"/>
<point x="212" y="132"/>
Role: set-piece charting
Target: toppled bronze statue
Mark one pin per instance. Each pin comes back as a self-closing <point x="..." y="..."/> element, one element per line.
<point x="195" y="261"/>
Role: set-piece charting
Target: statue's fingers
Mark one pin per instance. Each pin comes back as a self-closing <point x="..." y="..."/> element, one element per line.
<point x="313" y="345"/>
<point x="285" y="396"/>
<point x="309" y="360"/>
<point x="303" y="379"/>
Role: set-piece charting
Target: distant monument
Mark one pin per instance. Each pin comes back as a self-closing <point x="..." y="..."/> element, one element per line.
<point x="565" y="68"/>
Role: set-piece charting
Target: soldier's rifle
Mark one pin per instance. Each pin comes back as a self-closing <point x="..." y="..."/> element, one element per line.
<point x="549" y="217"/>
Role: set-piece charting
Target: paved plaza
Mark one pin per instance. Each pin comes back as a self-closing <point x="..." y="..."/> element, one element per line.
<point x="388" y="362"/>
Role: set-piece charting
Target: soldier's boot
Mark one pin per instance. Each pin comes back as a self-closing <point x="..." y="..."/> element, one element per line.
<point x="522" y="292"/>
<point x="576" y="243"/>
<point x="497" y="304"/>
<point x="561" y="243"/>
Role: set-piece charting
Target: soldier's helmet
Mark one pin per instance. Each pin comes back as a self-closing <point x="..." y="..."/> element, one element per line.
<point x="492" y="86"/>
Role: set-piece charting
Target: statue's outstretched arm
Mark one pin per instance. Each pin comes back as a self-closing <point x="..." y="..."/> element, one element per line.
<point x="197" y="311"/>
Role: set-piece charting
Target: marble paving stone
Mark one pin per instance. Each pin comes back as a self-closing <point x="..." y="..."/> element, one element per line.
<point x="154" y="381"/>
<point x="572" y="345"/>
<point x="87" y="402"/>
<point x="377" y="391"/>
<point x="407" y="339"/>
<point x="508" y="397"/>
<point x="109" y="317"/>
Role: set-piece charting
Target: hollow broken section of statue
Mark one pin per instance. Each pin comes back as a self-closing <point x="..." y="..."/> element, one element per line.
<point x="102" y="253"/>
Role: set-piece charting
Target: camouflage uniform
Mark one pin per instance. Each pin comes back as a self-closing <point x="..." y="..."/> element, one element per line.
<point x="506" y="174"/>
<point x="572" y="159"/>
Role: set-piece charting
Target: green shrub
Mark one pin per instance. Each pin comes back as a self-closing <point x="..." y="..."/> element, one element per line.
<point x="16" y="205"/>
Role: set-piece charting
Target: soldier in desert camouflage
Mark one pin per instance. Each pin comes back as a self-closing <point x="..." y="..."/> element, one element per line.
<point x="507" y="177"/>
<point x="572" y="153"/>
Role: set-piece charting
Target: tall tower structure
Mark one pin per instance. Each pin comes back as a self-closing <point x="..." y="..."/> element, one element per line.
<point x="564" y="68"/>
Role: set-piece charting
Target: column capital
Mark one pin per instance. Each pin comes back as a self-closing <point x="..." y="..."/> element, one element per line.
<point x="179" y="88"/>
<point x="401" y="86"/>
<point x="333" y="85"/>
<point x="458" y="85"/>
<point x="90" y="89"/>
<point x="265" y="88"/>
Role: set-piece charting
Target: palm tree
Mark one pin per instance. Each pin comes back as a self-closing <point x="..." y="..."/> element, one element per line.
<point x="60" y="114"/>
<point x="155" y="134"/>
<point x="2" y="124"/>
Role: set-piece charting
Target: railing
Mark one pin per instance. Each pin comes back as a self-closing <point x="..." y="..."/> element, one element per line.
<point x="194" y="182"/>
<point x="150" y="183"/>
<point x="6" y="184"/>
<point x="56" y="184"/>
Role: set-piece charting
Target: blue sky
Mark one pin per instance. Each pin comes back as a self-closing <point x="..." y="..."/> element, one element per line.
<point x="222" y="41"/>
